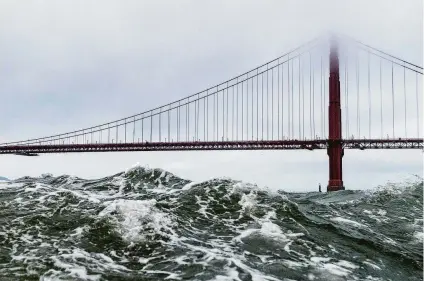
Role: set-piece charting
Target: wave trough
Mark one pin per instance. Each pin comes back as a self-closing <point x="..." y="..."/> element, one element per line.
<point x="148" y="224"/>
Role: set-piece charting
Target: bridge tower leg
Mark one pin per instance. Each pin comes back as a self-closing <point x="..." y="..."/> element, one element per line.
<point x="335" y="150"/>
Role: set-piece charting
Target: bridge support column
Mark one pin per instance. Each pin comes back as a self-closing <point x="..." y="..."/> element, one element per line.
<point x="335" y="150"/>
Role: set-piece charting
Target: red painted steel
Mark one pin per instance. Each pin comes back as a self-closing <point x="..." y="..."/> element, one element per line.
<point x="334" y="150"/>
<point x="361" y="144"/>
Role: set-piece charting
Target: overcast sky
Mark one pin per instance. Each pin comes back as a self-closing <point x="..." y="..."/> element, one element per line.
<point x="65" y="65"/>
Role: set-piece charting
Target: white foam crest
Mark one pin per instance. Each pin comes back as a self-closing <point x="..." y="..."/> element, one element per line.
<point x="71" y="179"/>
<point x="347" y="221"/>
<point x="389" y="240"/>
<point x="339" y="268"/>
<point x="247" y="203"/>
<point x="37" y="187"/>
<point x="136" y="216"/>
<point x="189" y="185"/>
<point x="10" y="185"/>
<point x="83" y="195"/>
<point x="395" y="188"/>
<point x="136" y="166"/>
<point x="255" y="274"/>
<point x="268" y="229"/>
<point x="75" y="270"/>
<point x="231" y="275"/>
<point x="79" y="231"/>
<point x="243" y="186"/>
<point x="146" y="168"/>
<point x="371" y="264"/>
<point x="378" y="215"/>
<point x="170" y="276"/>
<point x="419" y="236"/>
<point x="334" y="269"/>
<point x="75" y="262"/>
<point x="203" y="206"/>
<point x="220" y="251"/>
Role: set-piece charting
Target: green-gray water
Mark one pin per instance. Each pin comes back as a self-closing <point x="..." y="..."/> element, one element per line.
<point x="147" y="224"/>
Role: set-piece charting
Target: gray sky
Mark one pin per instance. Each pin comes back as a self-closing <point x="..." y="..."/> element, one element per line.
<point x="81" y="63"/>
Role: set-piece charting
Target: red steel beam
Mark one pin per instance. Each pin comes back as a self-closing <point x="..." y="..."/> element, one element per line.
<point x="335" y="148"/>
<point x="362" y="144"/>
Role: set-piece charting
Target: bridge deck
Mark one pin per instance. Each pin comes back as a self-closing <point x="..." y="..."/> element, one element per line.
<point x="362" y="144"/>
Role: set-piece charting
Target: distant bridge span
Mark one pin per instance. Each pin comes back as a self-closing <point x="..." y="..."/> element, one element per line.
<point x="293" y="102"/>
<point x="34" y="150"/>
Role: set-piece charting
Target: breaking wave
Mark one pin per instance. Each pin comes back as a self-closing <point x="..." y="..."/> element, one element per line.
<point x="148" y="224"/>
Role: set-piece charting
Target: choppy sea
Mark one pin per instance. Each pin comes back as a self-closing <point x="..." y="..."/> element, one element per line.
<point x="148" y="224"/>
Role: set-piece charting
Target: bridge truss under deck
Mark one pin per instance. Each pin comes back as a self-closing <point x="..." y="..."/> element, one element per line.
<point x="30" y="150"/>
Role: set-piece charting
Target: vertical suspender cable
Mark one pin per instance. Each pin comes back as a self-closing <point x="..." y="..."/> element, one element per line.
<point x="178" y="122"/>
<point x="347" y="95"/>
<point x="151" y="126"/>
<point x="242" y="112"/>
<point x="272" y="103"/>
<point x="169" y="123"/>
<point x="257" y="104"/>
<point x="252" y="105"/>
<point x="232" y="115"/>
<point x="416" y="96"/>
<point x="310" y="94"/>
<point x="325" y="100"/>
<point x="195" y="117"/>
<point x="247" y="107"/>
<point x="381" y="99"/>
<point x="134" y="130"/>
<point x="322" y="102"/>
<point x="288" y="99"/>
<point x="292" y="100"/>
<point x="226" y="117"/>
<point x="282" y="101"/>
<point x="358" y="117"/>
<point x="160" y="123"/>
<point x="404" y="93"/>
<point x="345" y="99"/>
<point x="217" y="113"/>
<point x="188" y="119"/>
<point x="369" y="97"/>
<point x="298" y="100"/>
<point x="262" y="104"/>
<point x="303" y="107"/>
<point x="278" y="99"/>
<point x="214" y="115"/>
<point x="237" y="102"/>
<point x="313" y="101"/>
<point x="223" y="113"/>
<point x="267" y="103"/>
<point x="393" y="106"/>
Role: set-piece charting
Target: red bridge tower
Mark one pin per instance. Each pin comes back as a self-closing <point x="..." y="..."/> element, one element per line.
<point x="335" y="151"/>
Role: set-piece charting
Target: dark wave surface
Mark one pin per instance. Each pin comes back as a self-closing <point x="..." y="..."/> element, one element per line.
<point x="148" y="224"/>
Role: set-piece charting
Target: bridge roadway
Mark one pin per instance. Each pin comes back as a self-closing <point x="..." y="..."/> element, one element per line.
<point x="362" y="144"/>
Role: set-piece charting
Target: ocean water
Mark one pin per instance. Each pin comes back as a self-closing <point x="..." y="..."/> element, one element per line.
<point x="148" y="224"/>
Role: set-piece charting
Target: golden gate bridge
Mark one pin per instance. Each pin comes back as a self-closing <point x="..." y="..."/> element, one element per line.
<point x="297" y="101"/>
